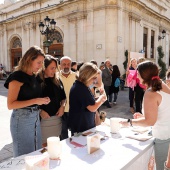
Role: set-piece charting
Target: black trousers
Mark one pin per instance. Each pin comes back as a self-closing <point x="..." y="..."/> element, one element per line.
<point x="131" y="96"/>
<point x="139" y="92"/>
<point x="107" y="88"/>
<point x="136" y="96"/>
<point x="65" y="127"/>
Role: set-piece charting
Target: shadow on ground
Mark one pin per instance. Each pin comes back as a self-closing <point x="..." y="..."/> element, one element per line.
<point x="3" y="90"/>
<point x="121" y="108"/>
<point x="6" y="153"/>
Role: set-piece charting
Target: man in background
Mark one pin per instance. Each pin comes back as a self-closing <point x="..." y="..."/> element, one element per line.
<point x="107" y="80"/>
<point x="67" y="77"/>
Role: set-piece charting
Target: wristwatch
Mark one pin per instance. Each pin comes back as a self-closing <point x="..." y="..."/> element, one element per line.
<point x="130" y="121"/>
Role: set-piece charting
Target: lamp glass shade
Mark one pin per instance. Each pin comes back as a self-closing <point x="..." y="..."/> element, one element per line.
<point x="47" y="21"/>
<point x="163" y="33"/>
<point x="41" y="26"/>
<point x="52" y="23"/>
<point x="46" y="50"/>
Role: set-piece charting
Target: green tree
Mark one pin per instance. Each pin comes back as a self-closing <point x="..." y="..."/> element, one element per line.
<point x="162" y="64"/>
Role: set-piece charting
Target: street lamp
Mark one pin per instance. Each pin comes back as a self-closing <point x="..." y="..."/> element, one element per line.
<point x="163" y="35"/>
<point x="47" y="29"/>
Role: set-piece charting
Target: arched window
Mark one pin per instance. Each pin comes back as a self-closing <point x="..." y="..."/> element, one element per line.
<point x="16" y="51"/>
<point x="56" y="36"/>
<point x="16" y="43"/>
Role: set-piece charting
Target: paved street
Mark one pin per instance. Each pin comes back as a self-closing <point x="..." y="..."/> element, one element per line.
<point x="5" y="136"/>
<point x="121" y="109"/>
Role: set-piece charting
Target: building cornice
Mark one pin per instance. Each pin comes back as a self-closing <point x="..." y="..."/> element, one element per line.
<point x="148" y="14"/>
<point x="82" y="13"/>
<point x="152" y="2"/>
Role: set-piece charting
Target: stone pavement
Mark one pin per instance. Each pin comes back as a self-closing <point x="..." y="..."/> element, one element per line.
<point x="5" y="136"/>
<point x="121" y="109"/>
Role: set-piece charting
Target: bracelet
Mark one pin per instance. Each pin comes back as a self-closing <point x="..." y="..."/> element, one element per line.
<point x="165" y="167"/>
<point x="130" y="121"/>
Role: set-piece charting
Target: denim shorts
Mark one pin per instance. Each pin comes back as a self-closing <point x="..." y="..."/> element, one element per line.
<point x="25" y="131"/>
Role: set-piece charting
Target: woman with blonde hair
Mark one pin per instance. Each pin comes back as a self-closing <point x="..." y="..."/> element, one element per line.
<point x="24" y="97"/>
<point x="83" y="105"/>
<point x="132" y="82"/>
<point x="53" y="88"/>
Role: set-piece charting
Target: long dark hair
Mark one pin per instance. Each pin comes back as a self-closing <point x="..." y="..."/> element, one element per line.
<point x="116" y="71"/>
<point x="149" y="73"/>
<point x="47" y="61"/>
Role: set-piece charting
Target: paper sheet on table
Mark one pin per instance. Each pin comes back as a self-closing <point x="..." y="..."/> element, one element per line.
<point x="140" y="137"/>
<point x="80" y="140"/>
<point x="140" y="129"/>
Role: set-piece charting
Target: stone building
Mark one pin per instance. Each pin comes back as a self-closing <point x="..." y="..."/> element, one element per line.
<point x="85" y="29"/>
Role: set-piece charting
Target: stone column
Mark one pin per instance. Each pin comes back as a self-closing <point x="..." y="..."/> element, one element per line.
<point x="31" y="30"/>
<point x="156" y="45"/>
<point x="1" y="44"/>
<point x="167" y="50"/>
<point x="134" y="22"/>
<point x="139" y="35"/>
<point x="25" y="33"/>
<point x="38" y="36"/>
<point x="28" y="28"/>
<point x="76" y="35"/>
<point x="149" y="43"/>
<point x="120" y="38"/>
<point x="5" y="56"/>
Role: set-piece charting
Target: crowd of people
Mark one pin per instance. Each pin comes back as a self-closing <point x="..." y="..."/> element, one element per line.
<point x="49" y="97"/>
<point x="2" y="72"/>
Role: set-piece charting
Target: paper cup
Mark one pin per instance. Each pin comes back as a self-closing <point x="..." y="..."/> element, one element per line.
<point x="54" y="147"/>
<point x="115" y="125"/>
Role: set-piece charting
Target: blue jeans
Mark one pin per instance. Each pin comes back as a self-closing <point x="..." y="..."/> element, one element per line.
<point x="113" y="97"/>
<point x="25" y="131"/>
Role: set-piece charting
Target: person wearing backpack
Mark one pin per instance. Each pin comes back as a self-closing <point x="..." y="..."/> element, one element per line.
<point x="114" y="88"/>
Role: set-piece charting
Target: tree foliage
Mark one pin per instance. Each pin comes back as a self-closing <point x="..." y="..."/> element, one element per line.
<point x="162" y="64"/>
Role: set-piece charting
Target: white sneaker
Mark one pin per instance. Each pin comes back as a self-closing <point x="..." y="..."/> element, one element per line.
<point x="114" y="102"/>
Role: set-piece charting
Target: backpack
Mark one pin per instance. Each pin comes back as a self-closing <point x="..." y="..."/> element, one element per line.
<point x="117" y="82"/>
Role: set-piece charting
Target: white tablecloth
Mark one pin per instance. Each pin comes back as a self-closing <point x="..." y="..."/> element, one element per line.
<point x="116" y="152"/>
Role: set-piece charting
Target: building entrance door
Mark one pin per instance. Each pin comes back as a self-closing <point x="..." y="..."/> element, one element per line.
<point x="56" y="50"/>
<point x="16" y="54"/>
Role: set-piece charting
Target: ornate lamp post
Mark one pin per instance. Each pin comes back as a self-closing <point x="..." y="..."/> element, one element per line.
<point x="163" y="35"/>
<point x="46" y="29"/>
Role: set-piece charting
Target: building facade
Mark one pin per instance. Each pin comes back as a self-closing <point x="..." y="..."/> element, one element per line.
<point x="86" y="29"/>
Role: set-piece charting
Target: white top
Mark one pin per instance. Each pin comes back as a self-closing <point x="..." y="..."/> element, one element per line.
<point x="161" y="128"/>
<point x="2" y="72"/>
<point x="67" y="83"/>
